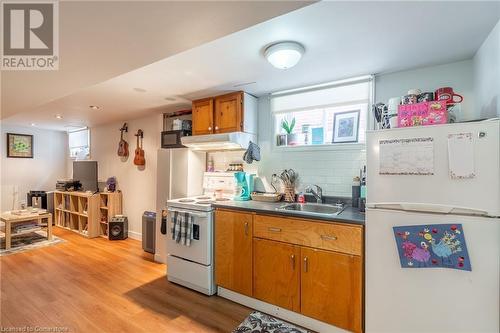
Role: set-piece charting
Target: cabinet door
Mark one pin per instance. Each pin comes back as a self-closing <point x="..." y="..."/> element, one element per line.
<point x="229" y="113"/>
<point x="233" y="251"/>
<point x="331" y="288"/>
<point x="203" y="116"/>
<point x="276" y="273"/>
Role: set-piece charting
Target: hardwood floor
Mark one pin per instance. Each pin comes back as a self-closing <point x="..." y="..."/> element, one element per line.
<point x="95" y="285"/>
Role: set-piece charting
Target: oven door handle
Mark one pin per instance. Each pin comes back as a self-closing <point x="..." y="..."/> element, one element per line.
<point x="185" y="211"/>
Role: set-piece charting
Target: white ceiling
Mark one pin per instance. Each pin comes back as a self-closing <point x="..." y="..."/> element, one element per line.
<point x="342" y="39"/>
<point x="102" y="39"/>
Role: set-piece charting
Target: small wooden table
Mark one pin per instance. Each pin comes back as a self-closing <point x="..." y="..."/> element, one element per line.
<point x="9" y="219"/>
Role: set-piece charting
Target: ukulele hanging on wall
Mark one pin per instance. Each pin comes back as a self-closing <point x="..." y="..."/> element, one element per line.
<point x="123" y="145"/>
<point x="139" y="159"/>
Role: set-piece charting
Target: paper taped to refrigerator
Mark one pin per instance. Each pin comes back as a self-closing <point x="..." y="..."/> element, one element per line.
<point x="414" y="156"/>
<point x="461" y="156"/>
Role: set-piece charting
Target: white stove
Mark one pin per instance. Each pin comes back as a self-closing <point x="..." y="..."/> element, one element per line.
<point x="193" y="266"/>
<point x="217" y="186"/>
<point x="200" y="203"/>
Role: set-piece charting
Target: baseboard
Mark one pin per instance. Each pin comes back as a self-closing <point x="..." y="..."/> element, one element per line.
<point x="287" y="315"/>
<point x="135" y="235"/>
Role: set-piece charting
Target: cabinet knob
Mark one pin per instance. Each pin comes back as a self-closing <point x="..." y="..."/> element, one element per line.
<point x="246" y="228"/>
<point x="292" y="260"/>
<point x="305" y="264"/>
<point x="209" y="128"/>
<point x="216" y="128"/>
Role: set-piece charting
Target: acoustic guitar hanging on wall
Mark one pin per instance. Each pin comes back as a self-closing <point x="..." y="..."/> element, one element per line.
<point x="123" y="145"/>
<point x="139" y="159"/>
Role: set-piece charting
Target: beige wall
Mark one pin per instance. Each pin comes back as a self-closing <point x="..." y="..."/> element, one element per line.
<point x="20" y="175"/>
<point x="137" y="184"/>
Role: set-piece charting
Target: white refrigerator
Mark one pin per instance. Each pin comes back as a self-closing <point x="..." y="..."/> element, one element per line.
<point x="432" y="175"/>
<point x="179" y="174"/>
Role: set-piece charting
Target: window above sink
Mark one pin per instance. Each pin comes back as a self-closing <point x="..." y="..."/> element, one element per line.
<point x="327" y="115"/>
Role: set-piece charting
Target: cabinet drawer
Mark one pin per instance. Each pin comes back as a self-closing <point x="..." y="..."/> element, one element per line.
<point x="327" y="236"/>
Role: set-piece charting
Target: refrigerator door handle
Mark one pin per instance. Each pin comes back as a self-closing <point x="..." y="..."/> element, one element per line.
<point x="427" y="207"/>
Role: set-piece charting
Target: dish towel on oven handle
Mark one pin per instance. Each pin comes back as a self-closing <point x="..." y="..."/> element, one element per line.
<point x="182" y="228"/>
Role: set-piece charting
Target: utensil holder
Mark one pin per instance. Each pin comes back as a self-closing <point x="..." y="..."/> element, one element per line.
<point x="289" y="193"/>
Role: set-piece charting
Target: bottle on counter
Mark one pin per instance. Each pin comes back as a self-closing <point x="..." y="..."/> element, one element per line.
<point x="210" y="165"/>
<point x="356" y="188"/>
<point x="362" y="192"/>
<point x="301" y="198"/>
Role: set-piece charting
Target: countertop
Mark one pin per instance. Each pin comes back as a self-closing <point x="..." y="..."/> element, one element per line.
<point x="349" y="214"/>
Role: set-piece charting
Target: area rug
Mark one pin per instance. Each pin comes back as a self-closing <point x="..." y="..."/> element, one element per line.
<point x="258" y="322"/>
<point x="27" y="242"/>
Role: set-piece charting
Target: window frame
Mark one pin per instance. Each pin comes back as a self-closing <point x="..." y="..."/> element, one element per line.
<point x="347" y="146"/>
<point x="88" y="142"/>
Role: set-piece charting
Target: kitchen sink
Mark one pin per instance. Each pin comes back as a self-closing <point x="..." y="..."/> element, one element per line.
<point x="312" y="209"/>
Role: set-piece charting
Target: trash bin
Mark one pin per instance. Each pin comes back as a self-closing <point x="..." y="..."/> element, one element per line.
<point x="149" y="231"/>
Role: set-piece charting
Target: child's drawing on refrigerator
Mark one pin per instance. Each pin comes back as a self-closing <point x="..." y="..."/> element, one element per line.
<point x="435" y="245"/>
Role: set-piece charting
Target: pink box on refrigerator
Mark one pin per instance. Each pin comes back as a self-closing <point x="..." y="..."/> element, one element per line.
<point x="425" y="113"/>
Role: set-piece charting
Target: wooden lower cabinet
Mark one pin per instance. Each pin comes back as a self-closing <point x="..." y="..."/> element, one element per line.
<point x="233" y="251"/>
<point x="331" y="288"/>
<point x="276" y="273"/>
<point x="288" y="272"/>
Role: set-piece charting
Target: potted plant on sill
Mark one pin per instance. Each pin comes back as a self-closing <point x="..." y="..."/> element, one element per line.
<point x="288" y="126"/>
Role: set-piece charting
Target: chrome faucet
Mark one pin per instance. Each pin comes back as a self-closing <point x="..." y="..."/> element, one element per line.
<point x="318" y="194"/>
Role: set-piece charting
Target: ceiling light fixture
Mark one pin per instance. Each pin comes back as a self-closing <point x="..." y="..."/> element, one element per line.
<point x="94" y="107"/>
<point x="140" y="90"/>
<point x="171" y="99"/>
<point x="58" y="116"/>
<point x="284" y="55"/>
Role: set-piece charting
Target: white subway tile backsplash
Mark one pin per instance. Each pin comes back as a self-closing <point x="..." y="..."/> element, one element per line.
<point x="333" y="171"/>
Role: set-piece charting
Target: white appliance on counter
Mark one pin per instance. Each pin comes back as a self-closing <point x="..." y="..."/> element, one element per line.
<point x="443" y="174"/>
<point x="193" y="266"/>
<point x="179" y="174"/>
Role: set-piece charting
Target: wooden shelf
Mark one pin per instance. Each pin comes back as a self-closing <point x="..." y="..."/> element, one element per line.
<point x="82" y="212"/>
<point x="2" y="234"/>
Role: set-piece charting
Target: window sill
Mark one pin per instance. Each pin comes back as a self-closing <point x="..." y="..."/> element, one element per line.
<point x="326" y="147"/>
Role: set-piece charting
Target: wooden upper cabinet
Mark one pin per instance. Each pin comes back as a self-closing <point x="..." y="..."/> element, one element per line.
<point x="331" y="288"/>
<point x="233" y="112"/>
<point x="228" y="113"/>
<point x="203" y="116"/>
<point x="276" y="273"/>
<point x="233" y="251"/>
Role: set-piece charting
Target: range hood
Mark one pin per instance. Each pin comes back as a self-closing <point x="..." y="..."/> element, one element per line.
<point x="224" y="141"/>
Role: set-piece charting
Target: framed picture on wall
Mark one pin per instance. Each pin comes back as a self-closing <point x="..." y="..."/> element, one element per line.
<point x="19" y="145"/>
<point x="345" y="127"/>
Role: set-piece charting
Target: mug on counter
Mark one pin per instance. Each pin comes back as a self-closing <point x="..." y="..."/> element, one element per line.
<point x="447" y="94"/>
